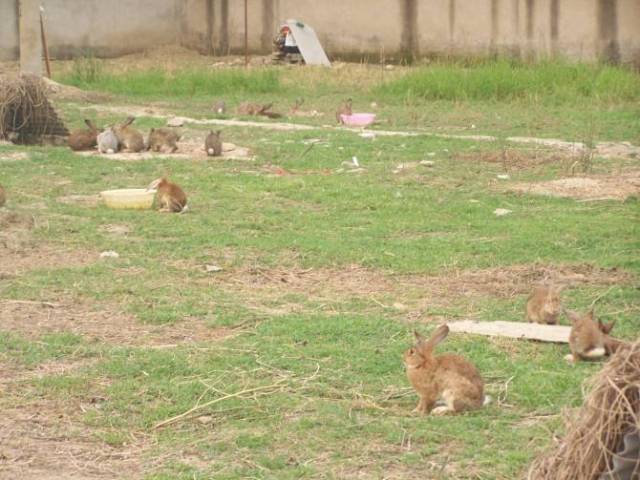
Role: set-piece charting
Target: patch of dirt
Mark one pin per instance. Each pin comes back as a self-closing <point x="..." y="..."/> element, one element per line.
<point x="186" y="150"/>
<point x="32" y="319"/>
<point x="83" y="200"/>
<point x="293" y="289"/>
<point x="512" y="159"/>
<point x="10" y="220"/>
<point x="13" y="156"/>
<point x="13" y="373"/>
<point x="611" y="187"/>
<point x="58" y="91"/>
<point x="19" y="255"/>
<point x="43" y="440"/>
<point x="116" y="230"/>
<point x="617" y="150"/>
<point x="20" y="252"/>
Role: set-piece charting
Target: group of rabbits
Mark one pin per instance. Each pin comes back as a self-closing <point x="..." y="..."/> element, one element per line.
<point x="456" y="383"/>
<point x="124" y="136"/>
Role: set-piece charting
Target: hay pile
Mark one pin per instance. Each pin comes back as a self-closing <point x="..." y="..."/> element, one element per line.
<point x="26" y="116"/>
<point x="595" y="434"/>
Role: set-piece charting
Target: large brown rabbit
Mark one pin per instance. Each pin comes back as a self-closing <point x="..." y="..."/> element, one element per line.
<point x="169" y="196"/>
<point x="544" y="304"/>
<point x="84" y="139"/>
<point x="128" y="137"/>
<point x="446" y="377"/>
<point x="586" y="340"/>
<point x="159" y="138"/>
<point x="345" y="108"/>
<point x="248" y="108"/>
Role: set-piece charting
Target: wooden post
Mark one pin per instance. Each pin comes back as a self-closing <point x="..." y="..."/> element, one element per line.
<point x="246" y="33"/>
<point x="47" y="63"/>
<point x="30" y="39"/>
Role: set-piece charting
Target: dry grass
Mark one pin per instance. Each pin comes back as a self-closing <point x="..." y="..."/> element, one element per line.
<point x="286" y="290"/>
<point x="25" y="112"/>
<point x="595" y="432"/>
<point x="20" y="252"/>
<point x="32" y="319"/>
<point x="45" y="441"/>
<point x="511" y="159"/>
<point x="602" y="187"/>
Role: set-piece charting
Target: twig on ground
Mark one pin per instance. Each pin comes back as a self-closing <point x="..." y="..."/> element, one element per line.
<point x="197" y="407"/>
<point x="33" y="302"/>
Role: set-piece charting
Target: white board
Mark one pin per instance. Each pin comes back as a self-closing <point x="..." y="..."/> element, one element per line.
<point x="521" y="330"/>
<point x="308" y="43"/>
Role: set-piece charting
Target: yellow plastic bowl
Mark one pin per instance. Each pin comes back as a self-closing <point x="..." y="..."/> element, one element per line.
<point x="138" y="198"/>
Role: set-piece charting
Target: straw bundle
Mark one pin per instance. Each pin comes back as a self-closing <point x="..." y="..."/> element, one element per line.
<point x="26" y="116"/>
<point x="601" y="429"/>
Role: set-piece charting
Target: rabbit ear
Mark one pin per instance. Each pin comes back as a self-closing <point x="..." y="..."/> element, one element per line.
<point x="591" y="314"/>
<point x="418" y="336"/>
<point x="154" y="185"/>
<point x="606" y="327"/>
<point x="437" y="336"/>
<point x="571" y="315"/>
<point x="218" y="132"/>
<point x="89" y="123"/>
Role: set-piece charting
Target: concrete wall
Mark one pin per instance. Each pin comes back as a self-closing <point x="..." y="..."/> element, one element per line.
<point x="9" y="37"/>
<point x="371" y="29"/>
<point x="108" y="28"/>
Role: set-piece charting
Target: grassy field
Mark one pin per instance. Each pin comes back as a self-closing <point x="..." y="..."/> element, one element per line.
<point x="290" y="356"/>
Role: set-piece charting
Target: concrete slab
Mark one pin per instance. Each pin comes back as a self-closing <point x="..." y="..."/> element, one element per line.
<point x="520" y="330"/>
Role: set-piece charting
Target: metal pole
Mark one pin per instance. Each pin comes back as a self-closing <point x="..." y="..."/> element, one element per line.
<point x="246" y="33"/>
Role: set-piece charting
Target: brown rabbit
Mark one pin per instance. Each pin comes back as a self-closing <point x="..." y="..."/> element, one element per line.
<point x="213" y="144"/>
<point x="169" y="196"/>
<point x="128" y="137"/>
<point x="345" y="108"/>
<point x="586" y="340"/>
<point x="544" y="304"/>
<point x="295" y="110"/>
<point x="83" y="139"/>
<point x="220" y="107"/>
<point x="3" y="196"/>
<point x="163" y="137"/>
<point x="447" y="377"/>
<point x="248" y="108"/>
<point x="611" y="345"/>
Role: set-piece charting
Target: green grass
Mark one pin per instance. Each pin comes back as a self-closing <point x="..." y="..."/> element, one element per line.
<point x="189" y="83"/>
<point x="579" y="102"/>
<point x="501" y="80"/>
<point x="339" y="402"/>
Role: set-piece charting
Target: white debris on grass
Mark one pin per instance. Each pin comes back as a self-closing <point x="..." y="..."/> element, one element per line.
<point x="501" y="212"/>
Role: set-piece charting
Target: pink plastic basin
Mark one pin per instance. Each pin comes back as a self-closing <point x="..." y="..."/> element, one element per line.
<point x="358" y="119"/>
